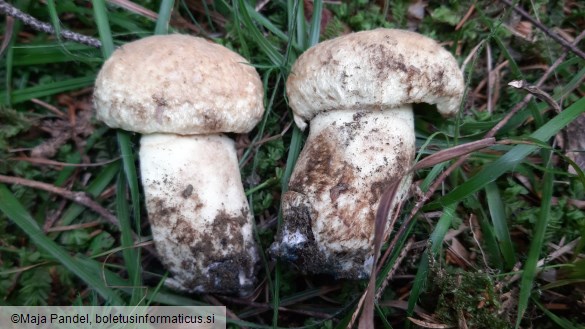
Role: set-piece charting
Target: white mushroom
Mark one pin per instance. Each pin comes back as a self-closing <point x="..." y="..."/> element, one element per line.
<point x="356" y="90"/>
<point x="181" y="93"/>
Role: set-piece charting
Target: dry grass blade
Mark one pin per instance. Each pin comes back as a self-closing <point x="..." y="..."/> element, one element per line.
<point x="230" y="314"/>
<point x="454" y="152"/>
<point x="445" y="155"/>
<point x="399" y="260"/>
<point x="535" y="91"/>
<point x="137" y="9"/>
<point x="569" y="247"/>
<point x="73" y="227"/>
<point x="43" y="161"/>
<point x="425" y="324"/>
<point x="386" y="202"/>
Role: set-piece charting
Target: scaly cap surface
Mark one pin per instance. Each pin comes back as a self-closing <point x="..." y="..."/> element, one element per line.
<point x="178" y="84"/>
<point x="376" y="69"/>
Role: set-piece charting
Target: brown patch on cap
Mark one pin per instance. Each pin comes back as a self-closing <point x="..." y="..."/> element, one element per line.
<point x="377" y="69"/>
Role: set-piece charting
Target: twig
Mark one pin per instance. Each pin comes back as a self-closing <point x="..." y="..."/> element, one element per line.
<point x="465" y="18"/>
<point x="271" y="138"/>
<point x="38" y="25"/>
<point x="547" y="31"/>
<point x="537" y="92"/>
<point x="48" y="106"/>
<point x="78" y="197"/>
<point x="490" y="79"/>
<point x="73" y="227"/>
<point x="401" y="256"/>
<point x="43" y="161"/>
<point x="472" y="229"/>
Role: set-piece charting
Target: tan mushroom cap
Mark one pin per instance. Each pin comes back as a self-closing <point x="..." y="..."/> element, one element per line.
<point x="376" y="69"/>
<point x="178" y="84"/>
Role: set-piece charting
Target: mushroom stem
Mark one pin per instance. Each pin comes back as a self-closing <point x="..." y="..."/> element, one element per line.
<point x="198" y="212"/>
<point x="335" y="188"/>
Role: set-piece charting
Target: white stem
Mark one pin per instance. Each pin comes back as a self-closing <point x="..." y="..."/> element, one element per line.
<point x="335" y="188"/>
<point x="198" y="212"/>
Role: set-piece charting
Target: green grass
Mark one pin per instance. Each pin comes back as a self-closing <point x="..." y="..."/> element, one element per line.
<point x="516" y="194"/>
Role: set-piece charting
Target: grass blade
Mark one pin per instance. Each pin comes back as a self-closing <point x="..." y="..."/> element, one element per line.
<point x="101" y="19"/>
<point x="498" y="216"/>
<point x="266" y="23"/>
<point x="51" y="53"/>
<point x="436" y="240"/>
<point x="164" y="17"/>
<point x="297" y="14"/>
<point x="127" y="155"/>
<point x="25" y="94"/>
<point x="561" y="322"/>
<point x="131" y="255"/>
<point x="315" y="27"/>
<point x="530" y="267"/>
<point x="19" y="216"/>
<point x="10" y="56"/>
<point x="514" y="157"/>
<point x="275" y="57"/>
<point x="97" y="186"/>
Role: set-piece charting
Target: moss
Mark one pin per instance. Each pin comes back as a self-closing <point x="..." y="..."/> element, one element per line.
<point x="468" y="297"/>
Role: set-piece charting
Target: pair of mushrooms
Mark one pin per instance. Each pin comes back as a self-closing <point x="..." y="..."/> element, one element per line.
<point x="182" y="92"/>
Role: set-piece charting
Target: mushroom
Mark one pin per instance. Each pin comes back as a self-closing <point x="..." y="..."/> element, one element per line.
<point x="181" y="93"/>
<point x="357" y="92"/>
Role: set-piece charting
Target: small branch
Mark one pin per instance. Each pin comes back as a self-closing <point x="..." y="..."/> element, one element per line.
<point x="536" y="92"/>
<point x="43" y="161"/>
<point x="73" y="227"/>
<point x="38" y="25"/>
<point x="547" y="31"/>
<point x="390" y="274"/>
<point x="78" y="197"/>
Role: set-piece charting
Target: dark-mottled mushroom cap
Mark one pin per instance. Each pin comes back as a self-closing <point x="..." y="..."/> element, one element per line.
<point x="376" y="69"/>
